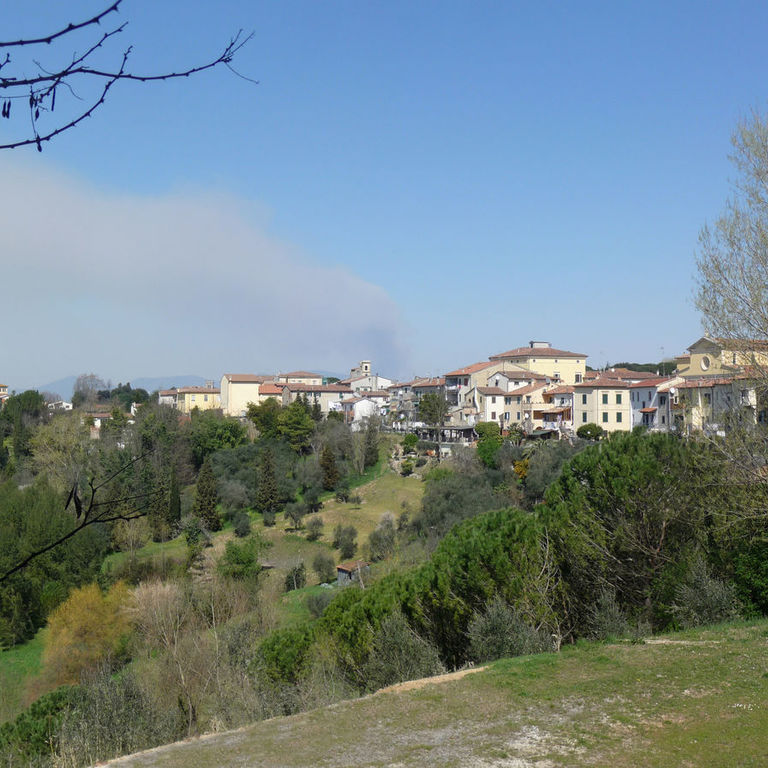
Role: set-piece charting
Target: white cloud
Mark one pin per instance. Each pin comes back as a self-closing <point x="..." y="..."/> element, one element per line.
<point x="136" y="286"/>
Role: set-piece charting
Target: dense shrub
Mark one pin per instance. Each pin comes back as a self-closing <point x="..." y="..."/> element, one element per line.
<point x="702" y="599"/>
<point x="605" y="618"/>
<point x="317" y="602"/>
<point x="397" y="654"/>
<point x="242" y="525"/>
<point x="314" y="528"/>
<point x="381" y="542"/>
<point x="499" y="631"/>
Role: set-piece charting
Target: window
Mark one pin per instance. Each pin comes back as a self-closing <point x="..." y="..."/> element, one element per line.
<point x="507" y="401"/>
<point x="618" y="418"/>
<point x="556" y="374"/>
<point x="205" y="398"/>
<point x="493" y="398"/>
<point x="618" y="398"/>
<point x="605" y="398"/>
<point x="583" y="399"/>
<point x="518" y="415"/>
<point x="663" y="419"/>
<point x="662" y="399"/>
<point x="493" y="415"/>
<point x="527" y="398"/>
<point x="707" y="398"/>
<point x="584" y="417"/>
<point x="518" y="398"/>
<point x="193" y="398"/>
<point x="605" y="418"/>
<point x="578" y="378"/>
<point x="650" y="395"/>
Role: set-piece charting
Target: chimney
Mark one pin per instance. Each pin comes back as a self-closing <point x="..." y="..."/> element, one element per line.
<point x="540" y="344"/>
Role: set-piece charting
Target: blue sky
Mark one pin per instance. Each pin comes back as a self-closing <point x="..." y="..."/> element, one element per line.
<point x="421" y="183"/>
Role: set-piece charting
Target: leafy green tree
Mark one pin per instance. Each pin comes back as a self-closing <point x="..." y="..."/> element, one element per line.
<point x="265" y="417"/>
<point x="433" y="409"/>
<point x="295" y="425"/>
<point x="296" y="578"/>
<point x="381" y="542"/>
<point x="331" y="474"/>
<point x="590" y="431"/>
<point x="296" y="511"/>
<point x="410" y="441"/>
<point x="240" y="561"/>
<point x="489" y="442"/>
<point x="312" y="498"/>
<point x="211" y="432"/>
<point x="205" y="499"/>
<point x="324" y="567"/>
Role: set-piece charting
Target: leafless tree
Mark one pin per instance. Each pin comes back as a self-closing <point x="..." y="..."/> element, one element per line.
<point x="36" y="96"/>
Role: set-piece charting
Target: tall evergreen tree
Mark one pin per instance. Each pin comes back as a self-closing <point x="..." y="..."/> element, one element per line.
<point x="205" y="499"/>
<point x="331" y="474"/>
<point x="173" y="513"/>
<point x="316" y="412"/>
<point x="371" y="455"/>
<point x="267" y="493"/>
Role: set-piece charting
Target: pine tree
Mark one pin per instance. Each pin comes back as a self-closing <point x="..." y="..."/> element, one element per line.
<point x="328" y="466"/>
<point x="205" y="499"/>
<point x="371" y="455"/>
<point x="316" y="412"/>
<point x="267" y="494"/>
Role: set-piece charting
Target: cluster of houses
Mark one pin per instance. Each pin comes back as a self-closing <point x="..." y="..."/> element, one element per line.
<point x="537" y="388"/>
<point x="541" y="390"/>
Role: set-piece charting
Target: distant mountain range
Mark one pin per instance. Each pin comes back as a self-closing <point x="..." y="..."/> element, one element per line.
<point x="65" y="386"/>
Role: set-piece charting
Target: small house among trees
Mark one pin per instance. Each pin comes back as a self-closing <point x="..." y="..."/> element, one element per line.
<point x="347" y="573"/>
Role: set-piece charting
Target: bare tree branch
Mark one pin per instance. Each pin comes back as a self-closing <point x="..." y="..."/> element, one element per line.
<point x="39" y="89"/>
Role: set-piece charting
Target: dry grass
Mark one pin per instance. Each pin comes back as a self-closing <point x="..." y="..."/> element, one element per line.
<point x="702" y="703"/>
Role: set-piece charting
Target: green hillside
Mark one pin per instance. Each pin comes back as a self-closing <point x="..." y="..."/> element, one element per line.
<point x="698" y="698"/>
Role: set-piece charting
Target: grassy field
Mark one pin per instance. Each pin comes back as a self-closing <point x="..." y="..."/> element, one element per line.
<point x="697" y="699"/>
<point x="19" y="666"/>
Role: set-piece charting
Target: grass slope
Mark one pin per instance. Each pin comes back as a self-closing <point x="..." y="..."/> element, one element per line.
<point x="690" y="699"/>
<point x="19" y="666"/>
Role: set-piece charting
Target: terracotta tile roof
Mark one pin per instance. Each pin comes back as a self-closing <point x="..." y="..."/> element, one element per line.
<point x="317" y="388"/>
<point x="604" y="382"/>
<point x="199" y="391"/>
<point x="437" y="381"/>
<point x="470" y="369"/>
<point x="492" y="391"/>
<point x="351" y="566"/>
<point x="704" y="382"/>
<point x="247" y="378"/>
<point x="376" y="393"/>
<point x="652" y="382"/>
<point x="302" y="374"/>
<point x="536" y="352"/>
<point x="167" y="392"/>
<point x="562" y="390"/>
<point x="648" y="410"/>
<point x="272" y="388"/>
<point x="519" y="374"/>
<point x="527" y="389"/>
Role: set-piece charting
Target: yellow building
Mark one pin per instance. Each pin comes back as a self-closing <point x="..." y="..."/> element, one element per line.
<point x="203" y="398"/>
<point x="239" y="389"/>
<point x="605" y="402"/>
<point x="301" y="377"/>
<point x="718" y="357"/>
<point x="542" y="357"/>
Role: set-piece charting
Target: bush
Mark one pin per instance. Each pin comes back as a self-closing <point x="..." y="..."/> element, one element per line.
<point x="242" y="524"/>
<point x="314" y="528"/>
<point x="317" y="602"/>
<point x="421" y="461"/>
<point x="342" y="491"/>
<point x="590" y="432"/>
<point x="114" y="716"/>
<point x="381" y="542"/>
<point x="268" y="517"/>
<point x="324" y="567"/>
<point x="296" y="578"/>
<point x="605" y="619"/>
<point x="410" y="441"/>
<point x="233" y="495"/>
<point x="702" y="599"/>
<point x="499" y="632"/>
<point x="399" y="654"/>
<point x="406" y="468"/>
